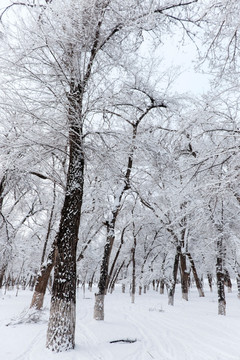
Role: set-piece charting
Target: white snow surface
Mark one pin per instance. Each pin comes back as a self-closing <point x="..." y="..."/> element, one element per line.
<point x="187" y="331"/>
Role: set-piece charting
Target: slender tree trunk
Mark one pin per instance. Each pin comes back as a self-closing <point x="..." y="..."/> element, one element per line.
<point x="116" y="257"/>
<point x="196" y="278"/>
<point x="104" y="276"/>
<point x="209" y="277"/>
<point x="133" y="270"/>
<point x="184" y="276"/>
<point x="162" y="278"/>
<point x="154" y="284"/>
<point x="42" y="279"/>
<point x="227" y="281"/>
<point x="46" y="268"/>
<point x="172" y="286"/>
<point x="162" y="282"/>
<point x="90" y="284"/>
<point x="61" y="326"/>
<point x="32" y="282"/>
<point x="115" y="277"/>
<point x="220" y="278"/>
<point x="2" y="273"/>
<point x="103" y="281"/>
<point x="111" y="284"/>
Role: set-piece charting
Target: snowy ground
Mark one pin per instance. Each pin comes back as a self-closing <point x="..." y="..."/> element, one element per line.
<point x="188" y="331"/>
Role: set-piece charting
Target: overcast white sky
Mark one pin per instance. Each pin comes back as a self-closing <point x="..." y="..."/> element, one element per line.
<point x="190" y="80"/>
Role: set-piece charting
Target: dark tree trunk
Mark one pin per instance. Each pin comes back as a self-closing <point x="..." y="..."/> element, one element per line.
<point x="42" y="280"/>
<point x="115" y="258"/>
<point x="61" y="326"/>
<point x="184" y="276"/>
<point x="90" y="284"/>
<point x="227" y="281"/>
<point x="105" y="262"/>
<point x="209" y="277"/>
<point x="46" y="268"/>
<point x="238" y="285"/>
<point x="103" y="281"/>
<point x="220" y="278"/>
<point x="104" y="276"/>
<point x="172" y="286"/>
<point x="2" y="273"/>
<point x="115" y="277"/>
<point x="133" y="250"/>
<point x="162" y="286"/>
<point x="196" y="278"/>
<point x="154" y="285"/>
<point x="49" y="225"/>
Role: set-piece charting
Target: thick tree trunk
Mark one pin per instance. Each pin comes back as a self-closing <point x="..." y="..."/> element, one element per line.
<point x="196" y="278"/>
<point x="61" y="326"/>
<point x="172" y="286"/>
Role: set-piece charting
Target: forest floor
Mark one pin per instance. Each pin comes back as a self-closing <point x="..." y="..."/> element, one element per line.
<point x="188" y="331"/>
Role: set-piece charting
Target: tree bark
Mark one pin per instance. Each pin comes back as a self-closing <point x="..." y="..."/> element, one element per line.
<point x="46" y="268"/>
<point x="133" y="271"/>
<point x="172" y="286"/>
<point x="116" y="257"/>
<point x="184" y="276"/>
<point x="103" y="281"/>
<point x="99" y="307"/>
<point x="209" y="276"/>
<point x="162" y="282"/>
<point x="61" y="326"/>
<point x="196" y="278"/>
<point x="2" y="273"/>
<point x="238" y="285"/>
<point x="42" y="279"/>
<point x="220" y="278"/>
<point x="227" y="280"/>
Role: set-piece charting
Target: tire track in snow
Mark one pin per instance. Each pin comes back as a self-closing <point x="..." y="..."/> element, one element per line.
<point x="171" y="339"/>
<point x="31" y="353"/>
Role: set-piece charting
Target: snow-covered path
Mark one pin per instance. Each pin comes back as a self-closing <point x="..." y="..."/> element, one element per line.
<point x="188" y="331"/>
